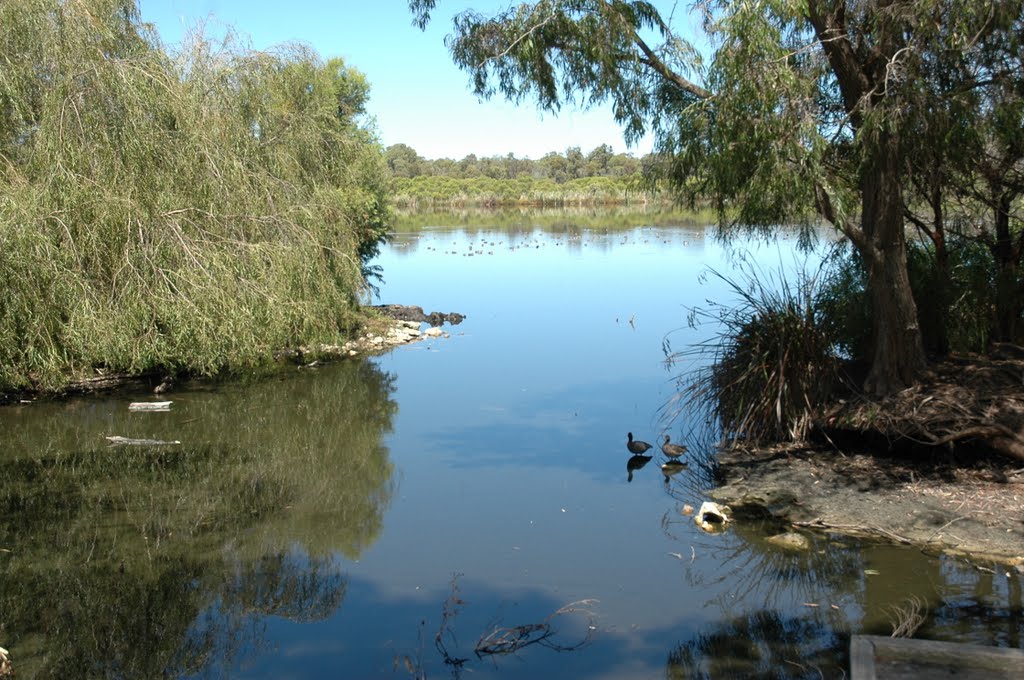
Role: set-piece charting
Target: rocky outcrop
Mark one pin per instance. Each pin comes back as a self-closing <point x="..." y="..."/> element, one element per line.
<point x="414" y="313"/>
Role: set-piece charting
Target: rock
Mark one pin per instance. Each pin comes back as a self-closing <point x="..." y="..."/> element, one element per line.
<point x="790" y="541"/>
<point x="433" y="332"/>
<point x="416" y="314"/>
<point x="712" y="516"/>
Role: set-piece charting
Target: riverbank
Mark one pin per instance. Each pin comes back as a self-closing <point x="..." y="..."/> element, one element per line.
<point x="383" y="329"/>
<point x="933" y="466"/>
<point x="976" y="512"/>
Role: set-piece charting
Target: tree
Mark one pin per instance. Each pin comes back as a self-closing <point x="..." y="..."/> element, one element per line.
<point x="403" y="160"/>
<point x="803" y="109"/>
<point x="598" y="160"/>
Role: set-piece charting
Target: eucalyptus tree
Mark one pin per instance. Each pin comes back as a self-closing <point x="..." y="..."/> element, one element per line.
<point x="799" y="107"/>
<point x="966" y="165"/>
<point x="991" y="169"/>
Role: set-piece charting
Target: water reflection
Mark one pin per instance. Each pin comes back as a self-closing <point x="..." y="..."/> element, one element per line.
<point x="145" y="561"/>
<point x="274" y="543"/>
<point x="760" y="645"/>
<point x="636" y="462"/>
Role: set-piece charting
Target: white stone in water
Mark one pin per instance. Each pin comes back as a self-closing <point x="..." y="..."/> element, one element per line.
<point x="433" y="332"/>
<point x="711" y="516"/>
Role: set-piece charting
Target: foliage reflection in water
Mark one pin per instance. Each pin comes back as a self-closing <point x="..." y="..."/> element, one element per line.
<point x="145" y="561"/>
<point x="310" y="526"/>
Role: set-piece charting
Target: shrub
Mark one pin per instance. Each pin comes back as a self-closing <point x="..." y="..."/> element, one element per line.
<point x="184" y="212"/>
<point x="771" y="362"/>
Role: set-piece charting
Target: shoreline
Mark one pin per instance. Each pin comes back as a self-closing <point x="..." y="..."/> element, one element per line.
<point x="973" y="512"/>
<point x="380" y="334"/>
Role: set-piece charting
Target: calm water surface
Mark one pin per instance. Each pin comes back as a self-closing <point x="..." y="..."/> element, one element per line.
<point x="382" y="518"/>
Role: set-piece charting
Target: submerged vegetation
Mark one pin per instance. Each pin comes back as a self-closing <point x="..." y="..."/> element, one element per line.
<point x="190" y="210"/>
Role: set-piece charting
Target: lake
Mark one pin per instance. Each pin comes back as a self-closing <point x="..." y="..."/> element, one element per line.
<point x="458" y="507"/>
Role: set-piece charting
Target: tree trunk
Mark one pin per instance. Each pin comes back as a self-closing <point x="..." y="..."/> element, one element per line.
<point x="899" y="355"/>
<point x="1007" y="299"/>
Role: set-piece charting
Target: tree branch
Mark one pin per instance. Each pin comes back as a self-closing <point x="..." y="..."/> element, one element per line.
<point x="655" y="63"/>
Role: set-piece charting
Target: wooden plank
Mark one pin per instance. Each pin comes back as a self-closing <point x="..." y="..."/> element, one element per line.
<point x="862" y="658"/>
<point x="117" y="440"/>
<point x="899" y="658"/>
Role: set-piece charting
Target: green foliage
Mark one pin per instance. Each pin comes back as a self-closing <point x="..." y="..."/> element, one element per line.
<point x="436" y="191"/>
<point x="187" y="212"/>
<point x="956" y="312"/>
<point x="598" y="178"/>
<point x="806" y="109"/>
<point x="772" y="361"/>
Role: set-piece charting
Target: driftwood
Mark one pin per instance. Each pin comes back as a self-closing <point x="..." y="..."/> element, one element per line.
<point x="964" y="401"/>
<point x="116" y="440"/>
<point x="509" y="640"/>
<point x="150" y="406"/>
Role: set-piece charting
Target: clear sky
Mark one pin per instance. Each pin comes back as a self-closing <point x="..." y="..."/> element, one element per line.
<point x="418" y="96"/>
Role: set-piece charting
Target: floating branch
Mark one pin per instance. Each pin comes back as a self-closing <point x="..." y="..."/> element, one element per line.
<point x="510" y="640"/>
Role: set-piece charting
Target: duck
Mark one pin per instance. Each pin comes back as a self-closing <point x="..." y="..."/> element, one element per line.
<point x="635" y="446"/>
<point x="635" y="462"/>
<point x="672" y="450"/>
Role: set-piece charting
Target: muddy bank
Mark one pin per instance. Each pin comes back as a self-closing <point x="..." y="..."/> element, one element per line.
<point x="974" y="511"/>
<point x="939" y="465"/>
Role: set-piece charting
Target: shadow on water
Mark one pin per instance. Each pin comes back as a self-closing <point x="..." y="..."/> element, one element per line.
<point x="138" y="561"/>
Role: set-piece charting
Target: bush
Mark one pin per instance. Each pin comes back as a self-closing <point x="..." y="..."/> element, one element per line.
<point x="183" y="212"/>
<point x="955" y="312"/>
<point x="771" y="363"/>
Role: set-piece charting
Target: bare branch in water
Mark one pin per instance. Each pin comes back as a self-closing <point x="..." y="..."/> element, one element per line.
<point x="503" y="640"/>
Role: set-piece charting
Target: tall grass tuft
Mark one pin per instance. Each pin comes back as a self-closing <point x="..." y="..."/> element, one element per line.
<point x="191" y="210"/>
<point x="770" y="363"/>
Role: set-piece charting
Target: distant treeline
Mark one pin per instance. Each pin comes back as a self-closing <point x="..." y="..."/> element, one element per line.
<point x="177" y="211"/>
<point x="571" y="178"/>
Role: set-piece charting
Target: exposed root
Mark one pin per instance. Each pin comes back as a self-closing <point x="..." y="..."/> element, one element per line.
<point x="964" y="401"/>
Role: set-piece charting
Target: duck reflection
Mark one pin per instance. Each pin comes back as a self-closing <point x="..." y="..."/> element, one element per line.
<point x="634" y="463"/>
<point x="671" y="467"/>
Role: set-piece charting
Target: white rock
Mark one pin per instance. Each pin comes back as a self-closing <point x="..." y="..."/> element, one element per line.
<point x="711" y="516"/>
<point x="433" y="332"/>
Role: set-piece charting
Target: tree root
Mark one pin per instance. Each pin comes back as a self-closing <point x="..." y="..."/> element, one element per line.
<point x="963" y="402"/>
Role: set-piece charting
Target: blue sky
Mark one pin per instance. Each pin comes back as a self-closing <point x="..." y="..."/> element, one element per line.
<point x="418" y="96"/>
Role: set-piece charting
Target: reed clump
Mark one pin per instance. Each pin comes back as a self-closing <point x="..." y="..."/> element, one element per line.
<point x="189" y="210"/>
<point x="771" y="363"/>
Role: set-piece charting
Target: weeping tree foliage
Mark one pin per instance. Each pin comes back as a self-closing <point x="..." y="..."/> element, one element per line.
<point x="802" y="109"/>
<point x="190" y="211"/>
